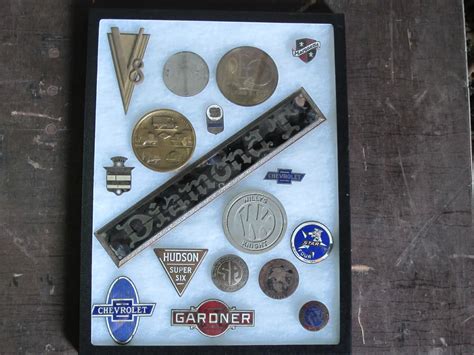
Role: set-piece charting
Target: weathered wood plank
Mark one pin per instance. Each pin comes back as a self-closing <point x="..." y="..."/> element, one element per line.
<point x="413" y="251"/>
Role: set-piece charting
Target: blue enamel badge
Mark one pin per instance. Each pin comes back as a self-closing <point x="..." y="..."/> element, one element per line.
<point x="122" y="310"/>
<point x="311" y="242"/>
<point x="284" y="176"/>
<point x="314" y="316"/>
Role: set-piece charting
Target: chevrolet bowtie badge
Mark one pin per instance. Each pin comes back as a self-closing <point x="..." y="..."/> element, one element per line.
<point x="128" y="50"/>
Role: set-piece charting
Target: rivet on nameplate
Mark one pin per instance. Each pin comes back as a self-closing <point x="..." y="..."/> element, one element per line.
<point x="122" y="310"/>
<point x="180" y="265"/>
<point x="311" y="242"/>
<point x="306" y="49"/>
<point x="119" y="176"/>
<point x="128" y="50"/>
<point x="212" y="318"/>
<point x="284" y="176"/>
<point x="215" y="119"/>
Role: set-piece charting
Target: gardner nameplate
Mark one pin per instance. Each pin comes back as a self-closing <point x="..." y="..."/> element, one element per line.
<point x="201" y="182"/>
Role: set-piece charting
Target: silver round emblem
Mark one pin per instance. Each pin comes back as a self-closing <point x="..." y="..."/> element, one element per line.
<point x="185" y="74"/>
<point x="254" y="221"/>
<point x="230" y="273"/>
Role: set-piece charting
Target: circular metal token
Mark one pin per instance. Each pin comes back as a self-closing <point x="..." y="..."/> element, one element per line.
<point x="163" y="140"/>
<point x="247" y="76"/>
<point x="278" y="279"/>
<point x="311" y="242"/>
<point x="230" y="273"/>
<point x="185" y="74"/>
<point x="254" y="221"/>
<point x="314" y="316"/>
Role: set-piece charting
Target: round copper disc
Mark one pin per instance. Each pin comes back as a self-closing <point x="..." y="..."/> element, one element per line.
<point x="278" y="279"/>
<point x="247" y="76"/>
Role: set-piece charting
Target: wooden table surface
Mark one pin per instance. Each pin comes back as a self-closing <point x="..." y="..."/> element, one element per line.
<point x="412" y="237"/>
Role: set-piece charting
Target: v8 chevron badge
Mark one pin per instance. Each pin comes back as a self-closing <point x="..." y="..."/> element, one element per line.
<point x="122" y="310"/>
<point x="212" y="318"/>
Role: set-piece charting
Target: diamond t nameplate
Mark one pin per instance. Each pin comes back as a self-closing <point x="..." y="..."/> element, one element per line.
<point x="208" y="177"/>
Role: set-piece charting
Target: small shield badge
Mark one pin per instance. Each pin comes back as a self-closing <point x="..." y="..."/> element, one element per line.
<point x="119" y="176"/>
<point x="306" y="49"/>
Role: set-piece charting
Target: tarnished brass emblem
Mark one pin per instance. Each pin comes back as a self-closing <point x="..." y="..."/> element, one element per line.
<point x="247" y="76"/>
<point x="163" y="140"/>
<point x="128" y="50"/>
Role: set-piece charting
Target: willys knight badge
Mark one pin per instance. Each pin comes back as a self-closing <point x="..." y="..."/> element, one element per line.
<point x="306" y="49"/>
<point x="128" y="50"/>
<point x="119" y="176"/>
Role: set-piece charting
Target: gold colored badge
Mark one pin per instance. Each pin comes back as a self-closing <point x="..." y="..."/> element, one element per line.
<point x="128" y="50"/>
<point x="163" y="140"/>
<point x="180" y="265"/>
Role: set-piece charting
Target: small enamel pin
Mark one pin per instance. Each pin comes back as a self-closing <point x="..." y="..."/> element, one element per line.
<point x="119" y="176"/>
<point x="306" y="49"/>
<point x="284" y="176"/>
<point x="215" y="119"/>
<point x="128" y="50"/>
<point x="311" y="242"/>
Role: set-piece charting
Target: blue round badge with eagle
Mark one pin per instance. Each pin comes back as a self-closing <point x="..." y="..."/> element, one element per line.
<point x="311" y="242"/>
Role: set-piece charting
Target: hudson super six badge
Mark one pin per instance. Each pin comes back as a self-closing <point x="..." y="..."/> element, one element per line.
<point x="212" y="318"/>
<point x="128" y="50"/>
<point x="122" y="310"/>
<point x="180" y="265"/>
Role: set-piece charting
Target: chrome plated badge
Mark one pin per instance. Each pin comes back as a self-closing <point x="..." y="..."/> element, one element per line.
<point x="119" y="176"/>
<point x="254" y="221"/>
<point x="215" y="119"/>
<point x="185" y="74"/>
<point x="180" y="265"/>
<point x="128" y="50"/>
<point x="230" y="273"/>
<point x="122" y="310"/>
<point x="212" y="318"/>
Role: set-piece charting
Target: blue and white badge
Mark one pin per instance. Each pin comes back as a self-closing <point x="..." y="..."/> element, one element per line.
<point x="311" y="242"/>
<point x="122" y="310"/>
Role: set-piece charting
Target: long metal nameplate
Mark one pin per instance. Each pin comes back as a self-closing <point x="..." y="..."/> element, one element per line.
<point x="201" y="182"/>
